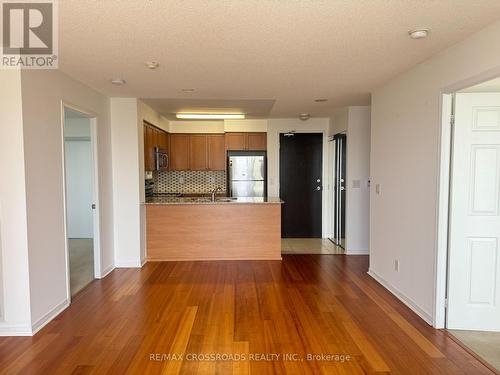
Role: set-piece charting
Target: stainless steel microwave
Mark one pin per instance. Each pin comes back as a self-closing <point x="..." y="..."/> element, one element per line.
<point x="161" y="159"/>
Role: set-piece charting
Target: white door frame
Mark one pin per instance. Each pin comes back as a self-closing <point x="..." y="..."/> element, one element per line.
<point x="95" y="192"/>
<point x="444" y="186"/>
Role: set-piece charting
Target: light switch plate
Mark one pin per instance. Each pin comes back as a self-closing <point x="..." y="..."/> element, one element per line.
<point x="378" y="189"/>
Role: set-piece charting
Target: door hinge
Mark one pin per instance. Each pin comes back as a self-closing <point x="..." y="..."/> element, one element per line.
<point x="452" y="120"/>
<point x="446" y="303"/>
<point x="93" y="206"/>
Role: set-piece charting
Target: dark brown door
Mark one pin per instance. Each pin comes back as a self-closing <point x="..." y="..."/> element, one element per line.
<point x="198" y="152"/>
<point x="179" y="152"/>
<point x="216" y="153"/>
<point x="236" y="141"/>
<point x="301" y="183"/>
<point x="257" y="141"/>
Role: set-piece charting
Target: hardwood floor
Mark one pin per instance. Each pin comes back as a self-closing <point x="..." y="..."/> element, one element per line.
<point x="318" y="304"/>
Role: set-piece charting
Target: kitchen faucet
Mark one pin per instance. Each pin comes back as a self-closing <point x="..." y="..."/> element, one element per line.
<point x="218" y="188"/>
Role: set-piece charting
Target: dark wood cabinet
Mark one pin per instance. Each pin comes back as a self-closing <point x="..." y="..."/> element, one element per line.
<point x="257" y="141"/>
<point x="216" y="152"/>
<point x="198" y="152"/>
<point x="246" y="141"/>
<point x="236" y="141"/>
<point x="153" y="137"/>
<point x="179" y="152"/>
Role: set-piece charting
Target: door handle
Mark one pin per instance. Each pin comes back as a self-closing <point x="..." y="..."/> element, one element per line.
<point x="318" y="188"/>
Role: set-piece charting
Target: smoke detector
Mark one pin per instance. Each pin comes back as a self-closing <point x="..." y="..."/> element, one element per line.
<point x="418" y="34"/>
<point x="118" y="81"/>
<point x="152" y="64"/>
<point x="304" y="116"/>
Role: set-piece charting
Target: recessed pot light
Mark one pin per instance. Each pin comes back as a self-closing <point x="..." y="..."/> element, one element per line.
<point x="118" y="81"/>
<point x="152" y="64"/>
<point x="419" y="33"/>
<point x="320" y="100"/>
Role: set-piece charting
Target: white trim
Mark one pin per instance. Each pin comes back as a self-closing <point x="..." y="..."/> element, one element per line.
<point x="357" y="252"/>
<point x="44" y="320"/>
<point x="15" y="330"/>
<point x="95" y="192"/>
<point x="144" y="261"/>
<point x="439" y="307"/>
<point x="440" y="262"/>
<point x="106" y="271"/>
<point x="427" y="317"/>
<point x="128" y="264"/>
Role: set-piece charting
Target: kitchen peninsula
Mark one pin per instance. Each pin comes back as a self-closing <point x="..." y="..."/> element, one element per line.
<point x="223" y="229"/>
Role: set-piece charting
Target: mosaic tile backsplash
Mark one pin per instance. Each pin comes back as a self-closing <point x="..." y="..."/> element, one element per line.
<point x="188" y="182"/>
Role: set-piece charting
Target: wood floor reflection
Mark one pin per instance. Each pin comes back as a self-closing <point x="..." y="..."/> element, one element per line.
<point x="318" y="305"/>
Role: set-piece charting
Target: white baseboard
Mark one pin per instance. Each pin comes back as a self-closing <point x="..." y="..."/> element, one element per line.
<point x="44" y="320"/>
<point x="107" y="271"/>
<point x="402" y="297"/>
<point x="128" y="264"/>
<point x="7" y="329"/>
<point x="357" y="252"/>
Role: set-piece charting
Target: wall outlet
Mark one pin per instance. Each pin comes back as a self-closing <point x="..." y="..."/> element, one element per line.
<point x="181" y="180"/>
<point x="396" y="265"/>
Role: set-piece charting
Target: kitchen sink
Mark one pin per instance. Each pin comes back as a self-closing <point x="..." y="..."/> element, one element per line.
<point x="197" y="199"/>
<point x="225" y="199"/>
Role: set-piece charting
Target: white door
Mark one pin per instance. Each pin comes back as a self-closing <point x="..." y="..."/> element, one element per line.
<point x="474" y="255"/>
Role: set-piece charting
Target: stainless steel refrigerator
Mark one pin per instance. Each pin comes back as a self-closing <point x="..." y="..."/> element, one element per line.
<point x="247" y="173"/>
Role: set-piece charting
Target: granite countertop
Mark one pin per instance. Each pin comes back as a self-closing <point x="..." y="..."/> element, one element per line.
<point x="207" y="200"/>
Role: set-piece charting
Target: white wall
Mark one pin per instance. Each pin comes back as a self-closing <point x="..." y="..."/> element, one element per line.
<point x="15" y="290"/>
<point x="196" y="126"/>
<point x="404" y="160"/>
<point x="42" y="95"/>
<point x="355" y="123"/>
<point x="127" y="180"/>
<point x="339" y="121"/>
<point x="358" y="169"/>
<point x="78" y="173"/>
<point x="78" y="166"/>
<point x="313" y="125"/>
<point x="247" y="125"/>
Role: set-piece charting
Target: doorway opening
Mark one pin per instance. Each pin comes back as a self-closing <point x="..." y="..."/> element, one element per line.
<point x="81" y="192"/>
<point x="471" y="138"/>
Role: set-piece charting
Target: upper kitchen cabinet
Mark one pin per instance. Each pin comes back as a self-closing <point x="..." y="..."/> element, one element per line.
<point x="148" y="148"/>
<point x="257" y="141"/>
<point x="198" y="152"/>
<point x="246" y="141"/>
<point x="179" y="152"/>
<point x="216" y="152"/>
<point x="153" y="137"/>
<point x="163" y="142"/>
<point x="236" y="141"/>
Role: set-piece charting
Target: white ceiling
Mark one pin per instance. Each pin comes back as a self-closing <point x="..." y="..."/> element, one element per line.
<point x="252" y="108"/>
<point x="287" y="51"/>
